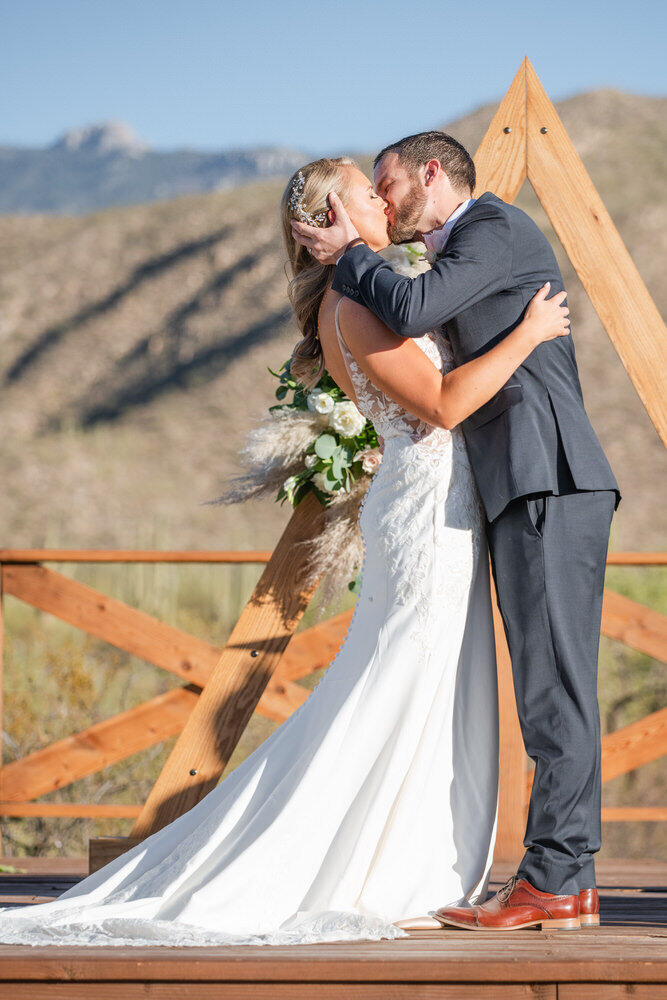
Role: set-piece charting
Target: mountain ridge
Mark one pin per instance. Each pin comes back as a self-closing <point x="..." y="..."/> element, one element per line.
<point x="106" y="164"/>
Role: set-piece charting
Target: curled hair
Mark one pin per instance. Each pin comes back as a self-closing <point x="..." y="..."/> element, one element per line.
<point x="310" y="279"/>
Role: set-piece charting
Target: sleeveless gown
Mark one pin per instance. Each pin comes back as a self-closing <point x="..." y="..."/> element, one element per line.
<point x="376" y="801"/>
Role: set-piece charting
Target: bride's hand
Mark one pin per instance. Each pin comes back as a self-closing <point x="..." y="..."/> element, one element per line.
<point x="547" y="318"/>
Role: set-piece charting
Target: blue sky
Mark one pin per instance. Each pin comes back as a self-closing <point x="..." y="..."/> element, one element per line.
<point x="322" y="76"/>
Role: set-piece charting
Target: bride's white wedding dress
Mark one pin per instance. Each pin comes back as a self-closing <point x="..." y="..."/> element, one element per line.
<point x="376" y="800"/>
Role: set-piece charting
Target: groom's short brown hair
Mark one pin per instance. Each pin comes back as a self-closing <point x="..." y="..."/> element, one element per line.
<point x="415" y="150"/>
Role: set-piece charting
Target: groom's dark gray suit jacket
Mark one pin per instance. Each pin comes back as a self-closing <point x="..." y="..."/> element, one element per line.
<point x="534" y="435"/>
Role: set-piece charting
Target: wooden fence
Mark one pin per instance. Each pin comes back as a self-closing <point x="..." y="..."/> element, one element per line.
<point x="22" y="782"/>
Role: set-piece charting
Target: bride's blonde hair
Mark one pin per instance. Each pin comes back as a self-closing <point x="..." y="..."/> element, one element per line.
<point x="310" y="279"/>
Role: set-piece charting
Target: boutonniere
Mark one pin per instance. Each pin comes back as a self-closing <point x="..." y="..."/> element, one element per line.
<point x="432" y="256"/>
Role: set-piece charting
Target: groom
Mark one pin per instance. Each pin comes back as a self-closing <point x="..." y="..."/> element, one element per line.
<point x="547" y="488"/>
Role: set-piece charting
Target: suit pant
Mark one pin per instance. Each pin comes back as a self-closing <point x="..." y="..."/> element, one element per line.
<point x="548" y="555"/>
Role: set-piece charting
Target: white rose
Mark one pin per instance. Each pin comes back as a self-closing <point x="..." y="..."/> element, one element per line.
<point x="289" y="483"/>
<point x="346" y="419"/>
<point x="310" y="461"/>
<point x="370" y="460"/>
<point x="320" y="402"/>
<point x="318" y="479"/>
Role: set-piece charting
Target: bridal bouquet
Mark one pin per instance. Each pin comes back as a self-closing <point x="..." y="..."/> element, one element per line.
<point x="344" y="448"/>
<point x="317" y="441"/>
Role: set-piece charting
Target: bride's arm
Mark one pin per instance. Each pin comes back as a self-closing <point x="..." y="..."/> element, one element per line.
<point x="403" y="371"/>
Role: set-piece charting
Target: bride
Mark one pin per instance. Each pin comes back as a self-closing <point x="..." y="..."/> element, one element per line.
<point x="375" y="802"/>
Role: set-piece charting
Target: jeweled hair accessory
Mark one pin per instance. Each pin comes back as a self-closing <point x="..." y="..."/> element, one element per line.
<point x="296" y="203"/>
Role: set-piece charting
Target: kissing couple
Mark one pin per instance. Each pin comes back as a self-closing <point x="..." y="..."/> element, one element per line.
<point x="373" y="808"/>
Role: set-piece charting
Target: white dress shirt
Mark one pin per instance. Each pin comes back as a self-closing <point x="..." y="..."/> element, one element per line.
<point x="437" y="238"/>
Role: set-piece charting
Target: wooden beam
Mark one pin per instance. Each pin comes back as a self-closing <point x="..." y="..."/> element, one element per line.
<point x="634" y="624"/>
<point x="224" y="556"/>
<point x="631" y="746"/>
<point x="512" y="799"/>
<point x="634" y="814"/>
<point x="637" y="559"/>
<point x="635" y="744"/>
<point x="250" y="657"/>
<point x="500" y="164"/>
<point x="103" y="744"/>
<point x="600" y="258"/>
<point x="74" y="810"/>
<point x="500" y="160"/>
<point x="152" y="640"/>
<point x="314" y="648"/>
<point x="83" y="810"/>
<point x="127" y="733"/>
<point x="112" y="620"/>
<point x="102" y="850"/>
<point x="159" y="718"/>
<point x="132" y="556"/>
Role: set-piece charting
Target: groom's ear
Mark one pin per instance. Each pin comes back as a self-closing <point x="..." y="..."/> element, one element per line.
<point x="432" y="170"/>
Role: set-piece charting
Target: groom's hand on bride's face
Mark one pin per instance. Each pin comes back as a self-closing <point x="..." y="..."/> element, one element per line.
<point x="327" y="245"/>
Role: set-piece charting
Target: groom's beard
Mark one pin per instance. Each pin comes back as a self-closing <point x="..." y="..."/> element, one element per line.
<point x="408" y="216"/>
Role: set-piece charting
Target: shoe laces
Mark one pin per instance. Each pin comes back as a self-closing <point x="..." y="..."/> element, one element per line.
<point x="506" y="889"/>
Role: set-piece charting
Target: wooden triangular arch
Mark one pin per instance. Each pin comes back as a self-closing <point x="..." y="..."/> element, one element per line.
<point x="525" y="139"/>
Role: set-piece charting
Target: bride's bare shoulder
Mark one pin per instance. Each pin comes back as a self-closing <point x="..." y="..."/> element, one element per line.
<point x="362" y="330"/>
<point x="349" y="310"/>
<point x="348" y="316"/>
<point x="327" y="310"/>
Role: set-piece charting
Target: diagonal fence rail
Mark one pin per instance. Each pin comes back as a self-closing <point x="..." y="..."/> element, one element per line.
<point x="64" y="761"/>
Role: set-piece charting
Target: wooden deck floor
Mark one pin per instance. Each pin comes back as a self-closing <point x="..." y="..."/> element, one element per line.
<point x="625" y="957"/>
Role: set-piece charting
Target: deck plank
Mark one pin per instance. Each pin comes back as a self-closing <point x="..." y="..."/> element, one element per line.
<point x="626" y="955"/>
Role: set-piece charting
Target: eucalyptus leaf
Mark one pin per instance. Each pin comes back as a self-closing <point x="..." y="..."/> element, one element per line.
<point x="330" y="478"/>
<point x="325" y="446"/>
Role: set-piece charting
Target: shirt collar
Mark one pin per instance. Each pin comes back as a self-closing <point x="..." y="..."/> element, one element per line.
<point x="436" y="239"/>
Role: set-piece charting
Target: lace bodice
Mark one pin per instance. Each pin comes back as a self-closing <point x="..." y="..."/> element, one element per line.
<point x="424" y="468"/>
<point x="389" y="418"/>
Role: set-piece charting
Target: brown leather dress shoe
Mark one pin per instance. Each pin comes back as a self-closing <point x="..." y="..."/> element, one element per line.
<point x="589" y="908"/>
<point x="517" y="904"/>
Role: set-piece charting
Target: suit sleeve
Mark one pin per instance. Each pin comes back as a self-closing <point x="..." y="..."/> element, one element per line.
<point x="477" y="263"/>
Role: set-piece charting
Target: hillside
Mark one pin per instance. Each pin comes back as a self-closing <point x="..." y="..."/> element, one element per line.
<point x="134" y="343"/>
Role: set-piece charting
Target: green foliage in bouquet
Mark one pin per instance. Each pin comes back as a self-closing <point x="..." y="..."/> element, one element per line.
<point x="343" y="453"/>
